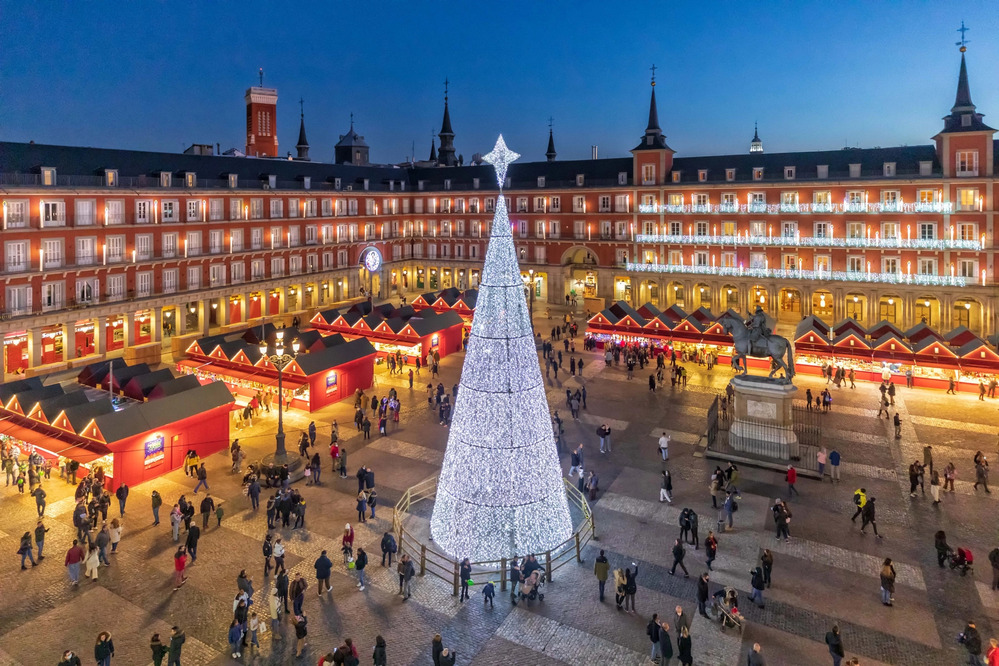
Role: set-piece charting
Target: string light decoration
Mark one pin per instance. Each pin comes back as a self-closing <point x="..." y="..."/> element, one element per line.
<point x="500" y="491"/>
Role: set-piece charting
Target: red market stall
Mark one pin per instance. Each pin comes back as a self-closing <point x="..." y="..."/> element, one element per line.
<point x="133" y="442"/>
<point x="417" y="335"/>
<point x="848" y="325"/>
<point x="959" y="337"/>
<point x="977" y="356"/>
<point x="920" y="332"/>
<point x="892" y="349"/>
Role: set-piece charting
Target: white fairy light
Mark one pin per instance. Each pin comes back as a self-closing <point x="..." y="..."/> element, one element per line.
<point x="500" y="491"/>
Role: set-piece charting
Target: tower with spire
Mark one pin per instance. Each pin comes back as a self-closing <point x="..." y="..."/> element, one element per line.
<point x="653" y="159"/>
<point x="550" y="153"/>
<point x="756" y="146"/>
<point x="351" y="148"/>
<point x="964" y="145"/>
<point x="261" y="120"/>
<point x="446" y="156"/>
<point x="303" y="144"/>
<point x="433" y="149"/>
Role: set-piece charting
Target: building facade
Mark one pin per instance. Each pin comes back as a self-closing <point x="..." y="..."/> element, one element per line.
<point x="112" y="249"/>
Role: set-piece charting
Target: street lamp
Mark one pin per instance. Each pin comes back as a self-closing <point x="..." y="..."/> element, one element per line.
<point x="280" y="359"/>
<point x="530" y="274"/>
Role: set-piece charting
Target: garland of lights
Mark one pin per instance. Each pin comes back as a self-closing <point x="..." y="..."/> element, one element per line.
<point x="500" y="491"/>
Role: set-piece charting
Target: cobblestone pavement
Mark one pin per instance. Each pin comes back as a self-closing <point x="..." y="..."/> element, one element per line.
<point x="826" y="574"/>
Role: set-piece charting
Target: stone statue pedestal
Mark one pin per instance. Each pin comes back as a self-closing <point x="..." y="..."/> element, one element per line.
<point x="763" y="425"/>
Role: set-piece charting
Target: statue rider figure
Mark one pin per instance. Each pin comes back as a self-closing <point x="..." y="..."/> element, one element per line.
<point x="758" y="329"/>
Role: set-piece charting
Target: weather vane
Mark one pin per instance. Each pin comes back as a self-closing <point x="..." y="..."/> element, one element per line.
<point x="261" y="72"/>
<point x="653" y="68"/>
<point x="301" y="106"/>
<point x="964" y="42"/>
<point x="445" y="88"/>
<point x="550" y="121"/>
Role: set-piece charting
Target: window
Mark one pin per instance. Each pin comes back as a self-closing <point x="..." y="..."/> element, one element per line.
<point x="855" y="229"/>
<point x="277" y="208"/>
<point x="85" y="251"/>
<point x="275" y="237"/>
<point x="925" y="168"/>
<point x="236" y="209"/>
<point x="236" y="240"/>
<point x="967" y="231"/>
<point x="701" y="229"/>
<point x="728" y="259"/>
<point x="757" y="201"/>
<point x="215" y="241"/>
<point x="578" y="204"/>
<point x="789" y="173"/>
<point x="115" y="248"/>
<point x="855" y="197"/>
<point x="237" y="270"/>
<point x="676" y="258"/>
<point x="170" y="245"/>
<point x="730" y="175"/>
<point x="53" y="295"/>
<point x="967" y="198"/>
<point x="700" y="200"/>
<point x="170" y="211"/>
<point x="539" y="229"/>
<point x="700" y="258"/>
<point x="351" y="207"/>
<point x="539" y="205"/>
<point x="605" y="205"/>
<point x="622" y="177"/>
<point x="215" y="208"/>
<point x="114" y="212"/>
<point x="702" y="175"/>
<point x="310" y="209"/>
<point x="216" y="275"/>
<point x="193" y="210"/>
<point x="295" y="265"/>
<point x="293" y="208"/>
<point x="888" y="169"/>
<point x="19" y="300"/>
<point x="327" y="207"/>
<point x="83" y="213"/>
<point x="144" y="247"/>
<point x="521" y="205"/>
<point x="144" y="284"/>
<point x="927" y="196"/>
<point x="675" y="199"/>
<point x="257" y="269"/>
<point x="967" y="268"/>
<point x="890" y="199"/>
<point x="277" y="267"/>
<point x="822" y="263"/>
<point x="675" y="228"/>
<point x="927" y="231"/>
<point x="295" y="236"/>
<point x="541" y="181"/>
<point x="966" y="162"/>
<point x="854" y="171"/>
<point x="889" y="265"/>
<point x="192" y="244"/>
<point x="822" y="200"/>
<point x="621" y="202"/>
<point x="87" y="290"/>
<point x="822" y="171"/>
<point x="758" y="173"/>
<point x="927" y="266"/>
<point x="757" y="259"/>
<point x="311" y="234"/>
<point x="822" y="230"/>
<point x="789" y="201"/>
<point x="16" y="213"/>
<point x="116" y="287"/>
<point x="170" y="280"/>
<point x="579" y="180"/>
<point x="757" y="228"/>
<point x="729" y="202"/>
<point x="52" y="249"/>
<point x="166" y="179"/>
<point x="889" y="230"/>
<point x="233" y="180"/>
<point x="790" y="262"/>
<point x="256" y="209"/>
<point x="54" y="213"/>
<point x="676" y="176"/>
<point x="48" y="176"/>
<point x="855" y="264"/>
<point x="193" y="277"/>
<point x="190" y="179"/>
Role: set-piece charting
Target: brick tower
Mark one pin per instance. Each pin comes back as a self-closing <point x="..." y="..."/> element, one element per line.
<point x="261" y="120"/>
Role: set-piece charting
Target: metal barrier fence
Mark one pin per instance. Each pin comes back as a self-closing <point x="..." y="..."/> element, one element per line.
<point x="447" y="569"/>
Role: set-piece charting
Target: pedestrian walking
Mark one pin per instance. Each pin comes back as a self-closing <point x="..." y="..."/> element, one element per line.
<point x="324" y="568"/>
<point x="972" y="642"/>
<point x="821" y="458"/>
<point x="868" y="515"/>
<point x="74" y="557"/>
<point x="601" y="566"/>
<point x="576" y="460"/>
<point x="703" y="590"/>
<point x="193" y="535"/>
<point x="389" y="547"/>
<point x="755" y="657"/>
<point x="887" y="582"/>
<point x="683" y="648"/>
<point x="859" y="500"/>
<point x="301" y="632"/>
<point x="725" y="514"/>
<point x="982" y="474"/>
<point x="407" y="570"/>
<point x="767" y="564"/>
<point x="835" y="643"/>
<point x="711" y="548"/>
<point x="604" y="433"/>
<point x="114" y="531"/>
<point x="678" y="554"/>
<point x="104" y="649"/>
<point x="40" y="531"/>
<point x="834" y="459"/>
<point x="791" y="477"/>
<point x="897" y="421"/>
<point x="652" y="631"/>
<point x="92" y="562"/>
<point x="666" y="487"/>
<point x="179" y="566"/>
<point x="757" y="583"/>
<point x="782" y="519"/>
<point x="122" y="495"/>
<point x="935" y="486"/>
<point x="664" y="446"/>
<point x="950" y="473"/>
<point x="26" y="551"/>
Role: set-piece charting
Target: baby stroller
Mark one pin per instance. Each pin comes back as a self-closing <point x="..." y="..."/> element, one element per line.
<point x="530" y="588"/>
<point x="726" y="607"/>
<point x="962" y="559"/>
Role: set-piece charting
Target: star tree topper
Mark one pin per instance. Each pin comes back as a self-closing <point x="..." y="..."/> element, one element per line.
<point x="500" y="157"/>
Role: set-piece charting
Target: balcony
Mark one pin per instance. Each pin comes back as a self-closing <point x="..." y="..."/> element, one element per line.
<point x="804" y="209"/>
<point x="839" y="276"/>
<point x="746" y="240"/>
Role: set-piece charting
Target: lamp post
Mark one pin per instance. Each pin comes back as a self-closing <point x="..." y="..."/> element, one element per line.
<point x="280" y="359"/>
<point x="530" y="273"/>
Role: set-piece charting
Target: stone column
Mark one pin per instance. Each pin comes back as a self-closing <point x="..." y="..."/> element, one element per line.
<point x="68" y="341"/>
<point x="34" y="347"/>
<point x="128" y="328"/>
<point x="100" y="336"/>
<point x="155" y="325"/>
<point x="203" y="307"/>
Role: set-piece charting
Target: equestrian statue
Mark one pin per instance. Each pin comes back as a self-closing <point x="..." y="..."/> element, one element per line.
<point x="754" y="338"/>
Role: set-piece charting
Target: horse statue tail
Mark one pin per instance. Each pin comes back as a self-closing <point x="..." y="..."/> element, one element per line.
<point x="790" y="360"/>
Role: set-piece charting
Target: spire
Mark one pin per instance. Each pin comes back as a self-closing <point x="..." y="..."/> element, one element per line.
<point x="433" y="150"/>
<point x="962" y="102"/>
<point x="963" y="117"/>
<point x="446" y="156"/>
<point x="550" y="153"/>
<point x="303" y="144"/>
<point x="653" y="138"/>
<point x="756" y="146"/>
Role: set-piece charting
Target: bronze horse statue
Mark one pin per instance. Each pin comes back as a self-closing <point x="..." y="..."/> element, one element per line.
<point x="776" y="347"/>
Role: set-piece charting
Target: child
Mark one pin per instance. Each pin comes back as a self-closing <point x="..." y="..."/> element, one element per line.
<point x="219" y="512"/>
<point x="489" y="591"/>
<point x="254" y="628"/>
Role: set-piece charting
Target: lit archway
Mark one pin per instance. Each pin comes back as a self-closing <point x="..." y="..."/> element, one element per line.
<point x="890" y="309"/>
<point x="822" y="305"/>
<point x="729" y="297"/>
<point x="856" y="307"/>
<point x="927" y="311"/>
<point x="649" y="292"/>
<point x="676" y="294"/>
<point x="701" y="296"/>
<point x="758" y="296"/>
<point x="968" y="312"/>
<point x="789" y="304"/>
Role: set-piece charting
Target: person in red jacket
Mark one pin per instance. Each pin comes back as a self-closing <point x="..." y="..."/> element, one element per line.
<point x="74" y="556"/>
<point x="792" y="478"/>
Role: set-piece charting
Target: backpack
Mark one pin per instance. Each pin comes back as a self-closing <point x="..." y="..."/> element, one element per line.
<point x="735" y="506"/>
<point x="392" y="545"/>
<point x="857" y="498"/>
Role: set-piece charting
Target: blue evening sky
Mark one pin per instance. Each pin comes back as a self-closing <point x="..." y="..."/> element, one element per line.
<point x="162" y="75"/>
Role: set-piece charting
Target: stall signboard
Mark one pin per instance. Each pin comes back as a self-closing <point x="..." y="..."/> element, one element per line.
<point x="331" y="383"/>
<point x="435" y="341"/>
<point x="154" y="450"/>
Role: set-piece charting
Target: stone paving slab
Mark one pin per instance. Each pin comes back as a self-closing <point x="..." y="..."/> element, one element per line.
<point x="616" y="425"/>
<point x="848" y="560"/>
<point x="404" y="449"/>
<point x="676" y="436"/>
<point x="564" y="643"/>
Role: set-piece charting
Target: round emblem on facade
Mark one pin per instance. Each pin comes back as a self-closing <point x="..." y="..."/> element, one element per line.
<point x="372" y="260"/>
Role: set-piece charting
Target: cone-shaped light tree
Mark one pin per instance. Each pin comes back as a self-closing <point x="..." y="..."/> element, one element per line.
<point x="500" y="491"/>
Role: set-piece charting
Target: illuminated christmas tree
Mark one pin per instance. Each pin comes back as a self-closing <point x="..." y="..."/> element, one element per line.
<point x="500" y="491"/>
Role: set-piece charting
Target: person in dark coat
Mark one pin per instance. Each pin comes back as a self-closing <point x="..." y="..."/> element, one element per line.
<point x="436" y="647"/>
<point x="324" y="567"/>
<point x="972" y="641"/>
<point x="702" y="593"/>
<point x="678" y="555"/>
<point x="835" y="643"/>
<point x="464" y="573"/>
<point x="379" y="653"/>
<point x="177" y="639"/>
<point x="683" y="648"/>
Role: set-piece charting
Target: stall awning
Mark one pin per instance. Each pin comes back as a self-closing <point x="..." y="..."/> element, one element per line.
<point x="54" y="445"/>
<point x="222" y="373"/>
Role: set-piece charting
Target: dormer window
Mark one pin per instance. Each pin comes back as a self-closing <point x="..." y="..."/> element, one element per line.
<point x="166" y="179"/>
<point x="271" y="181"/>
<point x="111" y="177"/>
<point x="447" y="184"/>
<point x="758" y="173"/>
<point x="966" y="120"/>
<point x="541" y="181"/>
<point x="789" y="173"/>
<point x="622" y="178"/>
<point x="926" y="168"/>
<point x="475" y="183"/>
<point x="233" y="181"/>
<point x="336" y="184"/>
<point x="889" y="169"/>
<point x="307" y="182"/>
<point x="730" y="175"/>
<point x="822" y="171"/>
<point x="676" y="176"/>
<point x="854" y="171"/>
<point x="702" y="175"/>
<point x="579" y="180"/>
<point x="48" y="176"/>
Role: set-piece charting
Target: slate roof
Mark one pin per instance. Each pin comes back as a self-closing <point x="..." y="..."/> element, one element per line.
<point x="8" y="390"/>
<point x="140" y="386"/>
<point x="163" y="411"/>
<point x="80" y="415"/>
<point x="52" y="406"/>
<point x="174" y="386"/>
<point x="326" y="359"/>
<point x="28" y="399"/>
<point x="426" y="323"/>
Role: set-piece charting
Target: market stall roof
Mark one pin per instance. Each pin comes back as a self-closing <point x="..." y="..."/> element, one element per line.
<point x="814" y="322"/>
<point x="675" y="313"/>
<point x="659" y="324"/>
<point x="702" y="315"/>
<point x="121" y="376"/>
<point x="890" y="344"/>
<point x="921" y="331"/>
<point x="993" y="339"/>
<point x="649" y="311"/>
<point x="22" y="401"/>
<point x="50" y="408"/>
<point x="206" y="345"/>
<point x="425" y="300"/>
<point x="959" y="336"/>
<point x="80" y="415"/>
<point x="849" y="340"/>
<point x="426" y="323"/>
<point x="325" y="317"/>
<point x="138" y="388"/>
<point x="624" y="312"/>
<point x="884" y="326"/>
<point x="332" y="340"/>
<point x="174" y="386"/>
<point x="331" y="357"/>
<point x="363" y="308"/>
<point x="690" y="330"/>
<point x="83" y="454"/>
<point x="469" y="298"/>
<point x="931" y="351"/>
<point x="849" y="324"/>
<point x="977" y="354"/>
<point x="156" y="414"/>
<point x="8" y="390"/>
<point x="810" y="338"/>
<point x="265" y="375"/>
<point x="94" y="374"/>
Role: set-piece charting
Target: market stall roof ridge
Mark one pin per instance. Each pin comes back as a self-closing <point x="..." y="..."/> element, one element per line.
<point x="649" y="311"/>
<point x="22" y="401"/>
<point x="139" y="387"/>
<point x="50" y="408"/>
<point x="331" y="357"/>
<point x="326" y="316"/>
<point x="921" y="331"/>
<point x="624" y="310"/>
<point x="934" y="347"/>
<point x="79" y="416"/>
<point x="174" y="386"/>
<point x="878" y="330"/>
<point x="426" y="323"/>
<point x="816" y="322"/>
<point x="8" y="390"/>
<point x="959" y="336"/>
<point x="849" y="323"/>
<point x="702" y="315"/>
<point x="675" y="313"/>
